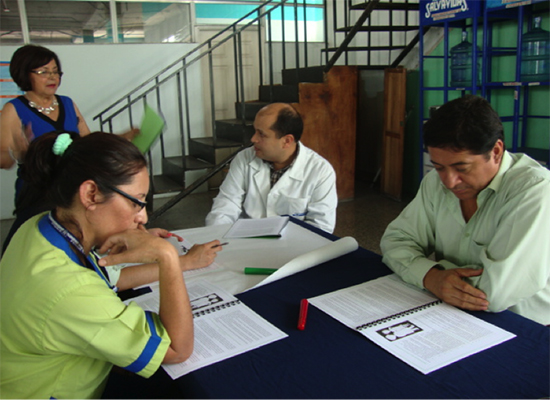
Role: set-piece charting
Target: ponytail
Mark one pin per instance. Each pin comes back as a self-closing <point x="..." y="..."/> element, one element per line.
<point x="54" y="179"/>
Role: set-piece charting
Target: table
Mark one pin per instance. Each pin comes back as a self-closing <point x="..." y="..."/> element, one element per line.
<point x="329" y="360"/>
<point x="265" y="253"/>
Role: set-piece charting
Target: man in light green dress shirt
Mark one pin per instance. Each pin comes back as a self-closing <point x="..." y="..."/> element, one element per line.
<point x="484" y="215"/>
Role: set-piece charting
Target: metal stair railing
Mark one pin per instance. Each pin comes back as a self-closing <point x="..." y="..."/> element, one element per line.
<point x="371" y="6"/>
<point x="178" y="70"/>
<point x="349" y="37"/>
<point x="157" y="80"/>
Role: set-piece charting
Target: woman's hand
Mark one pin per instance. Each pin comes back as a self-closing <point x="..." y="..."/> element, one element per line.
<point x="163" y="233"/>
<point x="200" y="255"/>
<point x="135" y="246"/>
<point x="14" y="138"/>
<point x="21" y="143"/>
<point x="130" y="134"/>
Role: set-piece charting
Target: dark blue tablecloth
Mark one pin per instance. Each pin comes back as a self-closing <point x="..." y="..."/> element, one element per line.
<point x="329" y="360"/>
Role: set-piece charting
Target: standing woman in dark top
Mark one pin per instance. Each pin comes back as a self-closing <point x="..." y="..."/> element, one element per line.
<point x="37" y="71"/>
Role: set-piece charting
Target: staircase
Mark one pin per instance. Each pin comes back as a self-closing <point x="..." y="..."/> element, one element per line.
<point x="205" y="152"/>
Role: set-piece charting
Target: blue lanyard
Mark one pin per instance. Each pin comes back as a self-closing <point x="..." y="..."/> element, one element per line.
<point x="91" y="258"/>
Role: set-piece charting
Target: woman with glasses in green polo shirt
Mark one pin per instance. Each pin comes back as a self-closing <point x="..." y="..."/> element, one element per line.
<point x="62" y="325"/>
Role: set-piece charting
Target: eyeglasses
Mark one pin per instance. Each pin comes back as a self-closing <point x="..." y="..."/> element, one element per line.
<point x="44" y="74"/>
<point x="139" y="203"/>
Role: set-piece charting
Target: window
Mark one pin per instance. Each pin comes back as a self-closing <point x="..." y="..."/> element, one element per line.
<point x="58" y="22"/>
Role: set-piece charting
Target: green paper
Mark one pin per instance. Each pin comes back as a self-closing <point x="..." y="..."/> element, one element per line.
<point x="151" y="127"/>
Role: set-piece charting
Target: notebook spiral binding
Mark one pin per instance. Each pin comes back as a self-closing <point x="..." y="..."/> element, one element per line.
<point x="215" y="308"/>
<point x="398" y="315"/>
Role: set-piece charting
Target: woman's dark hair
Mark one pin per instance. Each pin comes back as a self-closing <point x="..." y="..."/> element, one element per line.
<point x="105" y="158"/>
<point x="289" y="122"/>
<point x="468" y="123"/>
<point x="28" y="58"/>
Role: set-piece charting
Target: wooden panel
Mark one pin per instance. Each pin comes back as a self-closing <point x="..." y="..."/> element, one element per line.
<point x="393" y="137"/>
<point x="329" y="111"/>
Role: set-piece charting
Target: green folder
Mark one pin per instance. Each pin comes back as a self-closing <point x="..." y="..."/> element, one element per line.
<point x="151" y="127"/>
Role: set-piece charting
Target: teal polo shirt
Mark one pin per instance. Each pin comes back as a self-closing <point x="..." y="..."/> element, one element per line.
<point x="61" y="327"/>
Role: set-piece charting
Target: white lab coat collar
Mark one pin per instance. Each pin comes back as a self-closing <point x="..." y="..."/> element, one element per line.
<point x="295" y="172"/>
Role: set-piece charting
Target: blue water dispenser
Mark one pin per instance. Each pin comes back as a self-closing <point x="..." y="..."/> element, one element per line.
<point x="461" y="63"/>
<point x="535" y="54"/>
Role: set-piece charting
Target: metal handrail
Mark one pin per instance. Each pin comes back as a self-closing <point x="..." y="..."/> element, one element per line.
<point x="349" y="37"/>
<point x="188" y="64"/>
<point x="157" y="75"/>
<point x="180" y="67"/>
<point x="195" y="185"/>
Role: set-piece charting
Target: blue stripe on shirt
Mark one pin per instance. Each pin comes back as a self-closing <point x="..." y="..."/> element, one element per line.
<point x="150" y="348"/>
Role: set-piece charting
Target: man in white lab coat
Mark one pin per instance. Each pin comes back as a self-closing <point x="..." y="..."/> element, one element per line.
<point x="278" y="175"/>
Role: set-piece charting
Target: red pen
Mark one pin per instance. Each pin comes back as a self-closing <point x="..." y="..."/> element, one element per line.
<point x="303" y="314"/>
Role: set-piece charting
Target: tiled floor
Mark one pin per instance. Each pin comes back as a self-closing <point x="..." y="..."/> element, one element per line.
<point x="364" y="218"/>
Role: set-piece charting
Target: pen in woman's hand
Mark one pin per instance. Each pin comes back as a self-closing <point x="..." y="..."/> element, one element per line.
<point x="221" y="244"/>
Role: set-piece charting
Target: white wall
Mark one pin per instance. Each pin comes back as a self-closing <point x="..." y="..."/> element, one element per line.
<point x="97" y="75"/>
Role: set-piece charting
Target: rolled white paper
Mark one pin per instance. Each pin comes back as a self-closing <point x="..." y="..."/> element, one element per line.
<point x="323" y="254"/>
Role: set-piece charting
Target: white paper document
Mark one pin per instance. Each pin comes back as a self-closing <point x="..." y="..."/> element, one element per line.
<point x="224" y="327"/>
<point x="257" y="227"/>
<point x="410" y="323"/>
<point x="318" y="256"/>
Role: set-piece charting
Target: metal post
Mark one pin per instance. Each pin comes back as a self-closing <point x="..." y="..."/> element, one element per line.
<point x="421" y="102"/>
<point x="130" y="111"/>
<point x="212" y="98"/>
<point x="260" y="42"/>
<point x="296" y="44"/>
<point x="157" y="92"/>
<point x="24" y="21"/>
<point x="334" y="21"/>
<point x="390" y="41"/>
<point x="114" y="20"/>
<point x="305" y="34"/>
<point x="446" y="62"/>
<point x="325" y="27"/>
<point x="241" y="71"/>
<point x="347" y="8"/>
<point x="149" y="157"/>
<point x="180" y="113"/>
<point x="270" y="45"/>
<point x="187" y="134"/>
<point x="283" y="44"/>
<point x="236" y="63"/>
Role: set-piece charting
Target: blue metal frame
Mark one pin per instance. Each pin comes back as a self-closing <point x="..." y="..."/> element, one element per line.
<point x="520" y="13"/>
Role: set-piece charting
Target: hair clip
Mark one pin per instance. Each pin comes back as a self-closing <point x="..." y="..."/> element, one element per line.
<point x="61" y="143"/>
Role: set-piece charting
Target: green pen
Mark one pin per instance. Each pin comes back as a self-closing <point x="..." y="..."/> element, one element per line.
<point x="259" y="271"/>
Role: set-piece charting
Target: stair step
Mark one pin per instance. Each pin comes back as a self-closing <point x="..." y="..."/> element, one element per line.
<point x="310" y="74"/>
<point x="279" y="93"/>
<point x="381" y="28"/>
<point x="164" y="184"/>
<point x="233" y="131"/>
<point x="191" y="163"/>
<point x="384" y="5"/>
<point x="220" y="142"/>
<point x="367" y="48"/>
<point x="251" y="108"/>
<point x="205" y="148"/>
<point x="172" y="167"/>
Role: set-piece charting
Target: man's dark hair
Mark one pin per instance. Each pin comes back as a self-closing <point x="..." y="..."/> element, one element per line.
<point x="468" y="123"/>
<point x="289" y="122"/>
<point x="28" y="58"/>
